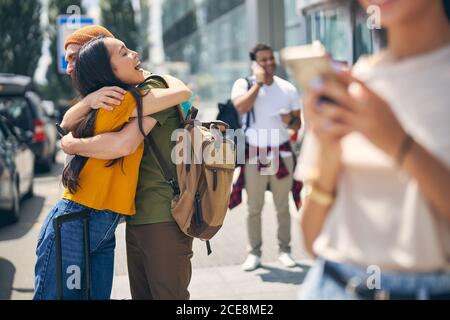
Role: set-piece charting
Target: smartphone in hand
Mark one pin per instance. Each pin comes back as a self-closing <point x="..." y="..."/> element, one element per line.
<point x="307" y="63"/>
<point x="60" y="130"/>
<point x="258" y="72"/>
<point x="254" y="66"/>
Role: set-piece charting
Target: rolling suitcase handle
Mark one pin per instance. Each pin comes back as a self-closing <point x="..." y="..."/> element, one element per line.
<point x="57" y="224"/>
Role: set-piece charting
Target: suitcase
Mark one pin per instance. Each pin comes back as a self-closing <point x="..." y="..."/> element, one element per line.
<point x="57" y="224"/>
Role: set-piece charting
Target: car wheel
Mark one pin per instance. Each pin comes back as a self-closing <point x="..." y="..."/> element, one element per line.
<point x="13" y="214"/>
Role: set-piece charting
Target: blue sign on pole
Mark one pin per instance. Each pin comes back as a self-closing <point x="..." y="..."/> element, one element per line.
<point x="66" y="25"/>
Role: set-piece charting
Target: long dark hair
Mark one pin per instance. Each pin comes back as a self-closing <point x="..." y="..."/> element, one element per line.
<point x="93" y="71"/>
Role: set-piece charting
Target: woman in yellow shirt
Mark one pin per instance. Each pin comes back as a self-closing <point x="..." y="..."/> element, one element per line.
<point x="105" y="188"/>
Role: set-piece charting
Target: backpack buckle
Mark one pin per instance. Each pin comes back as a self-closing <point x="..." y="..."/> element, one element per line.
<point x="174" y="185"/>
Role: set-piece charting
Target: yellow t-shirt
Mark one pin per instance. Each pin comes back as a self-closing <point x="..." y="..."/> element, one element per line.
<point x="110" y="188"/>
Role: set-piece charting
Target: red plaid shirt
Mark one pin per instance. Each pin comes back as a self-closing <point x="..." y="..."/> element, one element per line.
<point x="239" y="185"/>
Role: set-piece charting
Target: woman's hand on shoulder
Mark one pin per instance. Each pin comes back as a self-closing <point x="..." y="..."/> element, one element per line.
<point x="106" y="98"/>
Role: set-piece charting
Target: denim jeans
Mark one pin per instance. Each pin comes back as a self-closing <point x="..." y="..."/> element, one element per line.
<point x="320" y="286"/>
<point x="102" y="226"/>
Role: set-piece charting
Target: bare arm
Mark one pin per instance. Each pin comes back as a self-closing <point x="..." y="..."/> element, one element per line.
<point x="98" y="99"/>
<point x="108" y="97"/>
<point x="369" y="111"/>
<point x="432" y="176"/>
<point x="160" y="99"/>
<point x="74" y="114"/>
<point x="313" y="213"/>
<point x="119" y="144"/>
<point x="326" y="168"/>
<point x="129" y="138"/>
<point x="245" y="102"/>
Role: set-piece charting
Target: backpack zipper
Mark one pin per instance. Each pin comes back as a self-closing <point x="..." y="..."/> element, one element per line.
<point x="198" y="209"/>
<point x="214" y="179"/>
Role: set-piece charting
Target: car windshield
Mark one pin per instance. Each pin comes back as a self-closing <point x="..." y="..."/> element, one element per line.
<point x="17" y="111"/>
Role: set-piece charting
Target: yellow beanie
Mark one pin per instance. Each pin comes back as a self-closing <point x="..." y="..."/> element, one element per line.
<point x="85" y="34"/>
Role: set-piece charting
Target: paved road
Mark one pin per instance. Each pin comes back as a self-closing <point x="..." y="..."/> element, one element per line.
<point x="18" y="241"/>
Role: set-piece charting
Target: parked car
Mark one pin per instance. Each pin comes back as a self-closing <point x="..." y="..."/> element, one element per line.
<point x="16" y="168"/>
<point x="50" y="110"/>
<point x="21" y="104"/>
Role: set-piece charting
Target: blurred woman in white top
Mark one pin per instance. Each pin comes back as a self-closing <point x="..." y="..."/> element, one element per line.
<point x="377" y="165"/>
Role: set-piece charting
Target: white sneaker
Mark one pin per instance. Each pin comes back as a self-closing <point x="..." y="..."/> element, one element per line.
<point x="286" y="260"/>
<point x="251" y="263"/>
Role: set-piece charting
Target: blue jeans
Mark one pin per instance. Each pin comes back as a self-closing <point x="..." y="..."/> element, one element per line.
<point x="320" y="286"/>
<point x="102" y="225"/>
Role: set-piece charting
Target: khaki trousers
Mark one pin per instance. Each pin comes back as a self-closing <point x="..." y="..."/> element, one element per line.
<point x="256" y="185"/>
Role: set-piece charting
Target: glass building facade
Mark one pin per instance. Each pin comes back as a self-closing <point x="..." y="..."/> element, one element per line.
<point x="210" y="39"/>
<point x="341" y="25"/>
<point x="294" y="34"/>
<point x="206" y="42"/>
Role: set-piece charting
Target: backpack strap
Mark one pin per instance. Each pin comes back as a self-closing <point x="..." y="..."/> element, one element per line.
<point x="208" y="248"/>
<point x="151" y="144"/>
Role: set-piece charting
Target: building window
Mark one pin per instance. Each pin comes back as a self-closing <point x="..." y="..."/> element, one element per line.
<point x="363" y="36"/>
<point x="292" y="24"/>
<point x="217" y="8"/>
<point x="342" y="27"/>
<point x="210" y="53"/>
<point x="331" y="25"/>
<point x="180" y="29"/>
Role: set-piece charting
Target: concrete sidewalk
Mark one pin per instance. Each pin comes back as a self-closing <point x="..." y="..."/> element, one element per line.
<point x="270" y="282"/>
<point x="219" y="276"/>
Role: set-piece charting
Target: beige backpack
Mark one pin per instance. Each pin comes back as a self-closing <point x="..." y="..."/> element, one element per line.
<point x="205" y="162"/>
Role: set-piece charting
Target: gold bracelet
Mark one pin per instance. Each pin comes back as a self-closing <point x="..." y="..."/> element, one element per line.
<point x="318" y="195"/>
